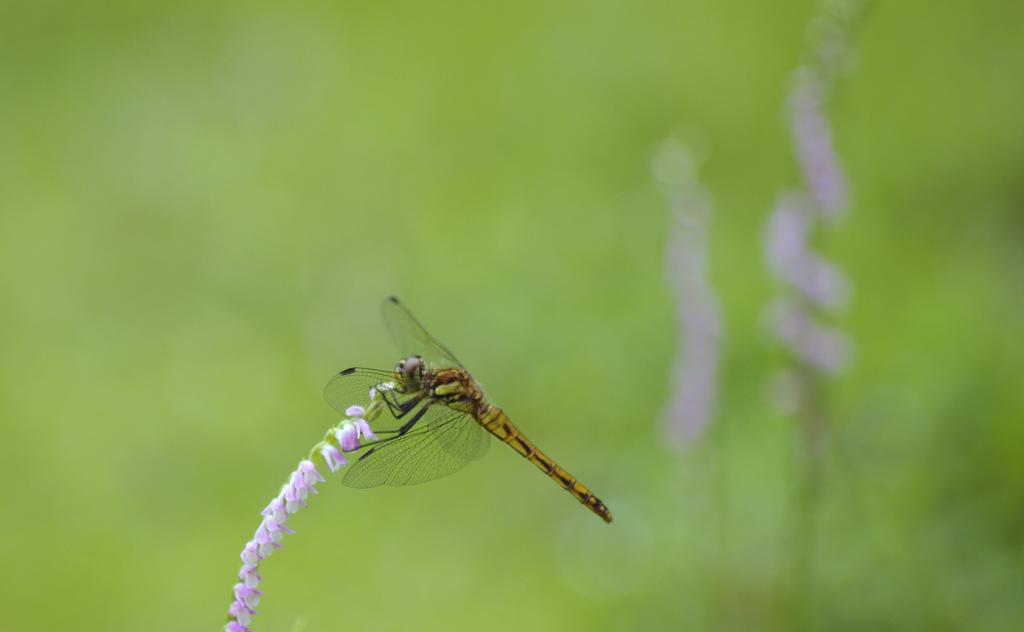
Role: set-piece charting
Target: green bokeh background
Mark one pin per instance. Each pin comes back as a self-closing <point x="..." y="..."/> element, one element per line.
<point x="203" y="204"/>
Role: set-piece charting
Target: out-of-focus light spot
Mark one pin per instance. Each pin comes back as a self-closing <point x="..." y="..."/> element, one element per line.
<point x="602" y="561"/>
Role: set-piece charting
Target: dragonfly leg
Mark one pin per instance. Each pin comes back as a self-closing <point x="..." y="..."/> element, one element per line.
<point x="400" y="409"/>
<point x="393" y="401"/>
<point x="412" y="422"/>
<point x="405" y="428"/>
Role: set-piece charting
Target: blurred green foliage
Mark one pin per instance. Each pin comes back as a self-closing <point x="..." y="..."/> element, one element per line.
<point x="202" y="205"/>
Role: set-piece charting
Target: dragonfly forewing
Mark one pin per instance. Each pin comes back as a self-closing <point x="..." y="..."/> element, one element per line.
<point x="431" y="450"/>
<point x="352" y="388"/>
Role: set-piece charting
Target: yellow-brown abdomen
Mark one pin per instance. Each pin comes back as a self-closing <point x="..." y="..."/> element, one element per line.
<point x="495" y="421"/>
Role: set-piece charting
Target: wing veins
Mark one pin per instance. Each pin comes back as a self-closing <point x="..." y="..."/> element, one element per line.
<point x="437" y="449"/>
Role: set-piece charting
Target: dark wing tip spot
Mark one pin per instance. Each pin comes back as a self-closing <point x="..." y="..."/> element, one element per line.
<point x="348" y="371"/>
<point x="393" y="299"/>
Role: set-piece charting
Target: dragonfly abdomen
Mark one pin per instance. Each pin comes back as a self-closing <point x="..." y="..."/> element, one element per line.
<point x="498" y="424"/>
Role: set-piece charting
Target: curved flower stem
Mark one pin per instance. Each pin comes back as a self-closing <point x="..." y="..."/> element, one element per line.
<point x="344" y="437"/>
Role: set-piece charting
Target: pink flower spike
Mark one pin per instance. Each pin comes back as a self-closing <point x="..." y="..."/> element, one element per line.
<point x="364" y="429"/>
<point x="249" y="575"/>
<point x="251" y="596"/>
<point x="348" y="437"/>
<point x="373" y="393"/>
<point x="266" y="540"/>
<point x="355" y="412"/>
<point x="301" y="488"/>
<point x="277" y="510"/>
<point x="250" y="554"/>
<point x="272" y="529"/>
<point x="241" y="612"/>
<point x="309" y="473"/>
<point x="299" y="483"/>
<point x="273" y="526"/>
<point x="333" y="457"/>
<point x="293" y="502"/>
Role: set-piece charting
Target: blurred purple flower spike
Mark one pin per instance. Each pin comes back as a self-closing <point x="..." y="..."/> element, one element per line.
<point x="812" y="134"/>
<point x="811" y="286"/>
<point x="694" y="390"/>
<point x="790" y="259"/>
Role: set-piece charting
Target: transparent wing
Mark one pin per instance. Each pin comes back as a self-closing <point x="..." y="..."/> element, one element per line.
<point x="352" y="387"/>
<point x="442" y="446"/>
<point x="412" y="339"/>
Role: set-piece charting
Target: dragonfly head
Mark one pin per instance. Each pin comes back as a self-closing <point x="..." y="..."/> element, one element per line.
<point x="410" y="370"/>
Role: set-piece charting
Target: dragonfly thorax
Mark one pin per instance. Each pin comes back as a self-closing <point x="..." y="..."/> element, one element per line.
<point x="454" y="388"/>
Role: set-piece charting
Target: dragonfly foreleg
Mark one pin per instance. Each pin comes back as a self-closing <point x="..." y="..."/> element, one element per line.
<point x="399" y="409"/>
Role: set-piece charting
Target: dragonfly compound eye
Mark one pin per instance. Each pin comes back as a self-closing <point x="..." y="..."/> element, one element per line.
<point x="410" y="366"/>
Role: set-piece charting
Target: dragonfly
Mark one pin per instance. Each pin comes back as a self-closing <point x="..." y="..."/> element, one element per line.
<point x="434" y="420"/>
